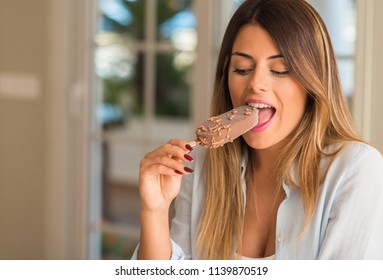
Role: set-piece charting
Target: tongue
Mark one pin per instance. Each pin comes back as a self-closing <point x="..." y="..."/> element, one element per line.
<point x="264" y="115"/>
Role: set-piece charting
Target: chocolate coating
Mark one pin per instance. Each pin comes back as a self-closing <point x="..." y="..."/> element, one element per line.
<point x="219" y="130"/>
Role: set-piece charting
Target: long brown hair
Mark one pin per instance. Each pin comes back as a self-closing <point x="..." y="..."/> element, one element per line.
<point x="303" y="39"/>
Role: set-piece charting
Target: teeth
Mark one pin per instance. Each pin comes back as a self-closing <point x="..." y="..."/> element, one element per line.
<point x="260" y="105"/>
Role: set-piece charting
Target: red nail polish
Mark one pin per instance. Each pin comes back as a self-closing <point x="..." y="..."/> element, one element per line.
<point x="187" y="169"/>
<point x="178" y="172"/>
<point x="190" y="148"/>
<point x="189" y="158"/>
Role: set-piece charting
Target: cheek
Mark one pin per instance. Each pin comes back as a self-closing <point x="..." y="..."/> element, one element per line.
<point x="232" y="85"/>
<point x="237" y="86"/>
<point x="296" y="102"/>
<point x="301" y="100"/>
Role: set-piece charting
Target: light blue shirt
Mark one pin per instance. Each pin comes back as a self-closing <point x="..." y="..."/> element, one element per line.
<point x="347" y="222"/>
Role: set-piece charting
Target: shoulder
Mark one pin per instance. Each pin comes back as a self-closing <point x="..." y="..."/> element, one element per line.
<point x="354" y="163"/>
<point x="350" y="202"/>
<point x="351" y="153"/>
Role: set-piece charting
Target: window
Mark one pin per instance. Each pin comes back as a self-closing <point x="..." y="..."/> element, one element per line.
<point x="145" y="51"/>
<point x="340" y="18"/>
<point x="154" y="62"/>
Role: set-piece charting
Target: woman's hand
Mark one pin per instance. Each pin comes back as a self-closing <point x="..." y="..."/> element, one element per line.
<point x="160" y="175"/>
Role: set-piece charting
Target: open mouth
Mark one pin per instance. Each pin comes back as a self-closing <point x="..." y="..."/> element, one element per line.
<point x="266" y="112"/>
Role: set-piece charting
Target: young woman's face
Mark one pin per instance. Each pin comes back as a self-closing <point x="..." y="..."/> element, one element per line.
<point x="258" y="75"/>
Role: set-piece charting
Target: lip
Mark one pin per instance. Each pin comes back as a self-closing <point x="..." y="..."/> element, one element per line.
<point x="259" y="102"/>
<point x="263" y="126"/>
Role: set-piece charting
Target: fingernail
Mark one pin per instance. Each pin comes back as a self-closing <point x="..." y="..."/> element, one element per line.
<point x="189" y="158"/>
<point x="187" y="169"/>
<point x="178" y="172"/>
<point x="190" y="148"/>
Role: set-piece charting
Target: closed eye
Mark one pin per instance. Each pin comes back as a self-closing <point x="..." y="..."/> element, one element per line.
<point x="280" y="73"/>
<point x="242" y="72"/>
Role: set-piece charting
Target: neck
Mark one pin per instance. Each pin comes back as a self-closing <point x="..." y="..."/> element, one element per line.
<point x="266" y="159"/>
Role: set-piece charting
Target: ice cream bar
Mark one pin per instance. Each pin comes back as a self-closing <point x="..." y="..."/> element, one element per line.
<point x="219" y="130"/>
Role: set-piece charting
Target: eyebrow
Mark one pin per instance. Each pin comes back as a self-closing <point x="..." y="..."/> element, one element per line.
<point x="250" y="57"/>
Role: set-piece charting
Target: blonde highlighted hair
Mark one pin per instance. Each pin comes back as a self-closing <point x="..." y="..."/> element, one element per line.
<point x="303" y="39"/>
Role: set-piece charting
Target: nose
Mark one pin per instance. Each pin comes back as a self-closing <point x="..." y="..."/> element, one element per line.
<point x="258" y="81"/>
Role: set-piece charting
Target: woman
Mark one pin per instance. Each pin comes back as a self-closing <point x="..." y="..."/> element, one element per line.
<point x="299" y="185"/>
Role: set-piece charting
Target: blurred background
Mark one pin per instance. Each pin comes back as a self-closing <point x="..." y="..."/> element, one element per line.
<point x="87" y="87"/>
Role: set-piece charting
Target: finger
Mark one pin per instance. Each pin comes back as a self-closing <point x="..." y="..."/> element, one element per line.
<point x="159" y="169"/>
<point x="190" y="145"/>
<point x="174" y="149"/>
<point x="186" y="146"/>
<point x="186" y="149"/>
<point x="164" y="166"/>
<point x="175" y="164"/>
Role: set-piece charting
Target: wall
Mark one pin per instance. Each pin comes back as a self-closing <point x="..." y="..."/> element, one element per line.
<point x="368" y="100"/>
<point x="377" y="94"/>
<point x="22" y="130"/>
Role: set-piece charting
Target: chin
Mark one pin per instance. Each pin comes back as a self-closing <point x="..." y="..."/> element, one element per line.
<point x="263" y="143"/>
<point x="256" y="144"/>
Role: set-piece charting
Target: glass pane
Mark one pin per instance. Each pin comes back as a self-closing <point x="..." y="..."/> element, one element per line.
<point x="123" y="16"/>
<point x="340" y="19"/>
<point x="120" y="70"/>
<point x="173" y="84"/>
<point x="120" y="198"/>
<point x="117" y="247"/>
<point x="235" y="4"/>
<point x="347" y="73"/>
<point x="176" y="23"/>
